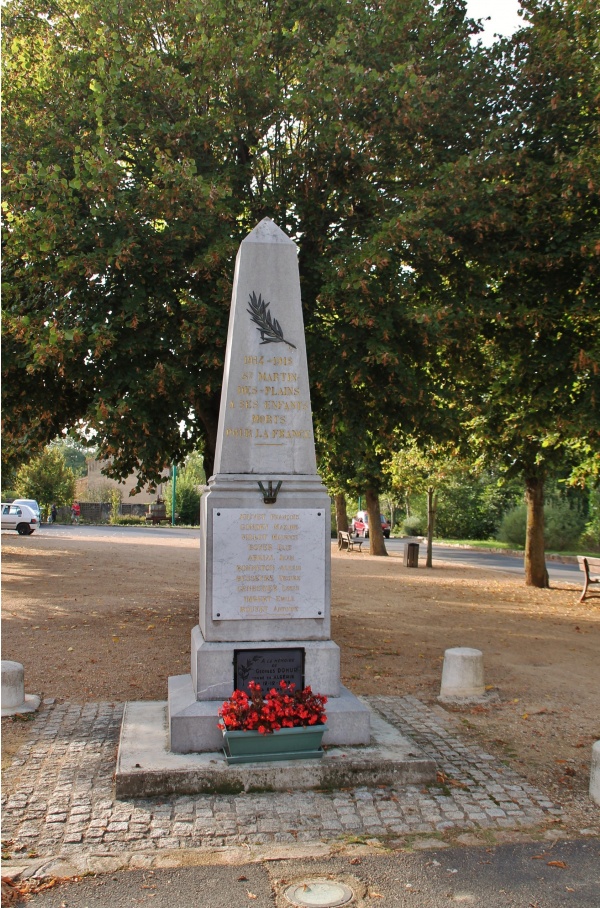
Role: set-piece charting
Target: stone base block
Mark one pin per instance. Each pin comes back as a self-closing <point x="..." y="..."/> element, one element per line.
<point x="212" y="665"/>
<point x="147" y="768"/>
<point x="193" y="724"/>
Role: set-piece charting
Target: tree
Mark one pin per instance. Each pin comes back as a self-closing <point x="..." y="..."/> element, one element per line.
<point x="47" y="479"/>
<point x="144" y="140"/>
<point x="416" y="470"/>
<point x="74" y="453"/>
<point x="524" y="215"/>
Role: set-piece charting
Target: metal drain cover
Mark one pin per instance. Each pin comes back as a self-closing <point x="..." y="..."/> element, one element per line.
<point x="319" y="894"/>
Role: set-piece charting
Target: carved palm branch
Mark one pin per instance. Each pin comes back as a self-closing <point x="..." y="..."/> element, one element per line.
<point x="270" y="329"/>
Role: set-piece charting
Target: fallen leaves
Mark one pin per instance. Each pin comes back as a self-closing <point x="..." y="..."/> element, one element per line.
<point x="542" y="857"/>
<point x="14" y="891"/>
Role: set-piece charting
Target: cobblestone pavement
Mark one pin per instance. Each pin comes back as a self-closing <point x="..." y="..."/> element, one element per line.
<point x="58" y="795"/>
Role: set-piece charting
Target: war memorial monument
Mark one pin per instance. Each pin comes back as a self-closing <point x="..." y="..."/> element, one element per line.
<point x="265" y="569"/>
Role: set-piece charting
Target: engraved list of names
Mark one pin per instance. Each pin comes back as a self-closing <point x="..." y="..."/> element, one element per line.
<point x="258" y="568"/>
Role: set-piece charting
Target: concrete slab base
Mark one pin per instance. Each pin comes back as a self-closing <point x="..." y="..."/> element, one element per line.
<point x="147" y="768"/>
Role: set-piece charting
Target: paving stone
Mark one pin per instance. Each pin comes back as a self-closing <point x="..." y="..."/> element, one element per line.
<point x="45" y="811"/>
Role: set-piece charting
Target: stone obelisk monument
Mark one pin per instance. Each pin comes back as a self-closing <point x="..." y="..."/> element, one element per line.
<point x="265" y="548"/>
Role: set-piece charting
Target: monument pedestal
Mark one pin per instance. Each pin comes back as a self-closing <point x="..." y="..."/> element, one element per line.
<point x="265" y="519"/>
<point x="264" y="589"/>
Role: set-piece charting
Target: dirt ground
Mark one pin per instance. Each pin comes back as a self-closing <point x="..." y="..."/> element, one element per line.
<point x="110" y="620"/>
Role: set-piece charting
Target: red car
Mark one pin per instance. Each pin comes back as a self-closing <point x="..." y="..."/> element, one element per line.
<point x="360" y="525"/>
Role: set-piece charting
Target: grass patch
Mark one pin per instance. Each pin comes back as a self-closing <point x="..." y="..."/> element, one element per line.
<point x="485" y="544"/>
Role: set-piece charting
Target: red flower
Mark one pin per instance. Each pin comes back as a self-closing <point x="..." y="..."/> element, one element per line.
<point x="285" y="708"/>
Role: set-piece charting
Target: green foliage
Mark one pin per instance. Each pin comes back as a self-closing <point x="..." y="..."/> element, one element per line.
<point x="115" y="497"/>
<point x="188" y="505"/>
<point x="591" y="534"/>
<point x="527" y="348"/>
<point x="172" y="130"/>
<point x="513" y="526"/>
<point x="189" y="481"/>
<point x="74" y="453"/>
<point x="472" y="507"/>
<point x="415" y="525"/>
<point x="563" y="526"/>
<point x="47" y="479"/>
<point x="128" y="520"/>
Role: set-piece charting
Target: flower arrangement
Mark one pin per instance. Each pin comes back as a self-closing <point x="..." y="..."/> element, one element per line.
<point x="266" y="713"/>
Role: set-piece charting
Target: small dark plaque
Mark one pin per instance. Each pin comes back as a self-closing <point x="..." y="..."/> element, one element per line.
<point x="268" y="667"/>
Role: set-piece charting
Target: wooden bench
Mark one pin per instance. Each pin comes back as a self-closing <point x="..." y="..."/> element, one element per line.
<point x="345" y="541"/>
<point x="157" y="518"/>
<point x="591" y="569"/>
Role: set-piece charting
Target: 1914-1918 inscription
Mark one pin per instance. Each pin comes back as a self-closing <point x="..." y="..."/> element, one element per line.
<point x="268" y="667"/>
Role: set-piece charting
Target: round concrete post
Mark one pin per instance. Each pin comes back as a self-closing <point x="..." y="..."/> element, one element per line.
<point x="462" y="674"/>
<point x="14" y="698"/>
<point x="595" y="773"/>
<point x="13" y="684"/>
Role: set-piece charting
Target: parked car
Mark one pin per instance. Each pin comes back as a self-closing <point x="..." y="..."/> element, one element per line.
<point x="32" y="505"/>
<point x="360" y="525"/>
<point x="20" y="518"/>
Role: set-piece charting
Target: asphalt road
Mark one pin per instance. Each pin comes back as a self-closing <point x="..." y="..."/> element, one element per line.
<point x="493" y="561"/>
<point x="532" y="875"/>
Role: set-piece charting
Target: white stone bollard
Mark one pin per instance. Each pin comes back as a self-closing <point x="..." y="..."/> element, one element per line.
<point x="14" y="698"/>
<point x="595" y="773"/>
<point x="462" y="674"/>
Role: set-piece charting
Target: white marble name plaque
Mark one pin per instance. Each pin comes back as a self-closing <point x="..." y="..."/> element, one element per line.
<point x="268" y="563"/>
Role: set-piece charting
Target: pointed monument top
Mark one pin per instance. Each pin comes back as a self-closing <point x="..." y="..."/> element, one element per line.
<point x="267" y="231"/>
<point x="265" y="420"/>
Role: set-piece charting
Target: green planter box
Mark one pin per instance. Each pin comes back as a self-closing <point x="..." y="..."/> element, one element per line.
<point x="286" y="744"/>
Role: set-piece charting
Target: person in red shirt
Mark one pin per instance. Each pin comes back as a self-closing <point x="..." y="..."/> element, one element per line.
<point x="75" y="512"/>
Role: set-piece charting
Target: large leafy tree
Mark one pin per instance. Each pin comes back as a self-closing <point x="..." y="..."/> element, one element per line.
<point x="524" y="214"/>
<point x="144" y="139"/>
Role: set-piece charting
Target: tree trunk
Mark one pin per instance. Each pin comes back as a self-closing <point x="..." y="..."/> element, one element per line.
<point x="431" y="509"/>
<point x="376" y="544"/>
<point x="209" y="417"/>
<point x="536" y="573"/>
<point x="407" y="503"/>
<point x="341" y="514"/>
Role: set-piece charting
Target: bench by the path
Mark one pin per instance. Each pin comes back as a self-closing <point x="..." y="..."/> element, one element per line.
<point x="345" y="541"/>
<point x="591" y="569"/>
